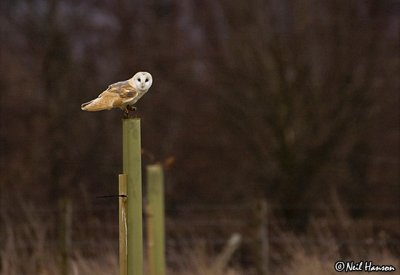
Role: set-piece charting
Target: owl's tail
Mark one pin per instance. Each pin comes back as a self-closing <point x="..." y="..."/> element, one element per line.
<point x="95" y="105"/>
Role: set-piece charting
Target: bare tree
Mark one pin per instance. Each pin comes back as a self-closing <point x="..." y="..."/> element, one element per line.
<point x="296" y="83"/>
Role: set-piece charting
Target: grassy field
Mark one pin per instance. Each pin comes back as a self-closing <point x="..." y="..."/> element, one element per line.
<point x="28" y="247"/>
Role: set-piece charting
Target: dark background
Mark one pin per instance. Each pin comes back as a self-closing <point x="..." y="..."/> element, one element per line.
<point x="293" y="101"/>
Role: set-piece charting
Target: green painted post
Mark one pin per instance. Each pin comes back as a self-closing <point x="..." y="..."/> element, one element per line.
<point x="132" y="167"/>
<point x="155" y="220"/>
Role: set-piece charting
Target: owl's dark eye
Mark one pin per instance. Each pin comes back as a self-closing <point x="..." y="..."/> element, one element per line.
<point x="139" y="80"/>
<point x="147" y="80"/>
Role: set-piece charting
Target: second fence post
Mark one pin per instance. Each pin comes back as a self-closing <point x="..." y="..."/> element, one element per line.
<point x="132" y="167"/>
<point x="155" y="220"/>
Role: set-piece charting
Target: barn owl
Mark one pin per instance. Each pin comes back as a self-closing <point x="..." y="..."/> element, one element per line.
<point x="122" y="94"/>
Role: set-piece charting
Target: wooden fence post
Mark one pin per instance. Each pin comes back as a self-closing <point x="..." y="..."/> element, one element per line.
<point x="122" y="209"/>
<point x="132" y="167"/>
<point x="65" y="231"/>
<point x="262" y="237"/>
<point x="155" y="220"/>
<point x="259" y="236"/>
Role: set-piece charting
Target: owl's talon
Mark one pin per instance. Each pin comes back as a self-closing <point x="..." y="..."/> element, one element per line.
<point x="131" y="108"/>
<point x="129" y="112"/>
<point x="126" y="113"/>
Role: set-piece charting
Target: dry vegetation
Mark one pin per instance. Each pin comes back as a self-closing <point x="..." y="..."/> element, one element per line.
<point x="30" y="248"/>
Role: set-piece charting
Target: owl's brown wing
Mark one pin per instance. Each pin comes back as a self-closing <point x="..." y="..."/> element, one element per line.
<point x="123" y="89"/>
<point x="116" y="96"/>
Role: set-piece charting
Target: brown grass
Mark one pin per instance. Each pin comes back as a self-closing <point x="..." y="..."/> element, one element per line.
<point x="315" y="257"/>
<point x="27" y="247"/>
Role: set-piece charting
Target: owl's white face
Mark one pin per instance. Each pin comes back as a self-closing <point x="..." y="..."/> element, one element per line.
<point x="142" y="81"/>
